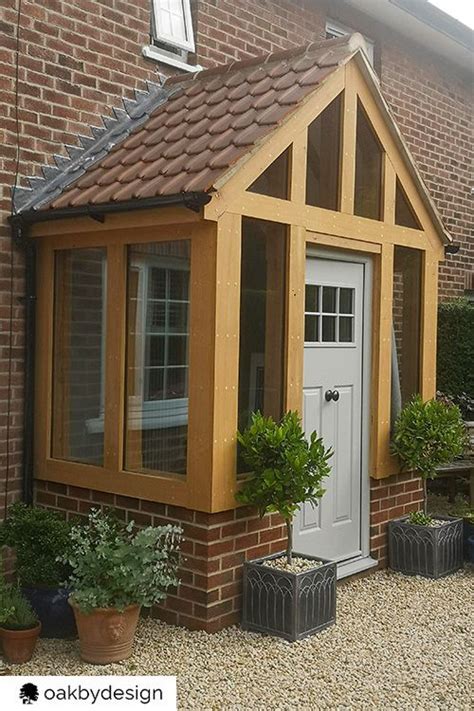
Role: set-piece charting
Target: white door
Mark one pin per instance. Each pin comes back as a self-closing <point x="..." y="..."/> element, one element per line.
<point x="332" y="404"/>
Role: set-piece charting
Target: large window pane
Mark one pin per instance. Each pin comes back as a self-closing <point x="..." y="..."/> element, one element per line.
<point x="323" y="162"/>
<point x="262" y="318"/>
<point x="404" y="213"/>
<point x="406" y="326"/>
<point x="368" y="174"/>
<point x="157" y="357"/>
<point x="274" y="181"/>
<point x="78" y="366"/>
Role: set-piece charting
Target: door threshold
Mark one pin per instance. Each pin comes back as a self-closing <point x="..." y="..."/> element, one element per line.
<point x="354" y="566"/>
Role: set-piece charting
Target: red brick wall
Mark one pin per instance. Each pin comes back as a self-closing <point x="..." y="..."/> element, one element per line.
<point x="229" y="30"/>
<point x="389" y="498"/>
<point x="216" y="545"/>
<point x="214" y="548"/>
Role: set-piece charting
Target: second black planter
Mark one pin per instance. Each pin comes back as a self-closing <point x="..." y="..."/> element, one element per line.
<point x="424" y="550"/>
<point x="286" y="604"/>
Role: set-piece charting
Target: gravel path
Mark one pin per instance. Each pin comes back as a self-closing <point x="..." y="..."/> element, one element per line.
<point x="399" y="643"/>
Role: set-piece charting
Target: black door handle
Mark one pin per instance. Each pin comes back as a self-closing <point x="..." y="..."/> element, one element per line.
<point x="331" y="395"/>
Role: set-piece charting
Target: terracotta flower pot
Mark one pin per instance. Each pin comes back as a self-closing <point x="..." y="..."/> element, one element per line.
<point x="19" y="645"/>
<point x="106" y="635"/>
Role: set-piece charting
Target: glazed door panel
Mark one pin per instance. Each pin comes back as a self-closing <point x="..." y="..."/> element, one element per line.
<point x="332" y="404"/>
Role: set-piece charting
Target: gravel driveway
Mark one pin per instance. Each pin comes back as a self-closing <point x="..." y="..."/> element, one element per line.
<point x="399" y="643"/>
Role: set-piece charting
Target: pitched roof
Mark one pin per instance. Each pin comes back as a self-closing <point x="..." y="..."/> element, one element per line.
<point x="184" y="135"/>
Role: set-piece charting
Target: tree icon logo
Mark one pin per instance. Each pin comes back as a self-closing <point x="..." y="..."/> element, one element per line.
<point x="29" y="693"/>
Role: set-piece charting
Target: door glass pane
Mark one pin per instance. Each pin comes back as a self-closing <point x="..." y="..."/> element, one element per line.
<point x="368" y="177"/>
<point x="157" y="357"/>
<point x="262" y="320"/>
<point x="311" y="328"/>
<point x="323" y="162"/>
<point x="79" y="356"/>
<point x="329" y="328"/>
<point x="329" y="299"/>
<point x="346" y="327"/>
<point x="311" y="298"/>
<point x="346" y="301"/>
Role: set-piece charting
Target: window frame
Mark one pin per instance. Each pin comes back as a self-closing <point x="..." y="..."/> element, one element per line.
<point x="158" y="35"/>
<point x="193" y="489"/>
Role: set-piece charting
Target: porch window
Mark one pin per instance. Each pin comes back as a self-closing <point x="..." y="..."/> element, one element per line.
<point x="406" y="326"/>
<point x="274" y="181"/>
<point x="368" y="174"/>
<point x="404" y="213"/>
<point x="157" y="357"/>
<point x="323" y="162"/>
<point x="78" y="355"/>
<point x="262" y="320"/>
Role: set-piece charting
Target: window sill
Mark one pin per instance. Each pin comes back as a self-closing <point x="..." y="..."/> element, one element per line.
<point x="158" y="415"/>
<point x="151" y="52"/>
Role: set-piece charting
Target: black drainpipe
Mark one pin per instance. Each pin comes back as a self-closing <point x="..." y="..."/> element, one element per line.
<point x="21" y="239"/>
<point x="19" y="224"/>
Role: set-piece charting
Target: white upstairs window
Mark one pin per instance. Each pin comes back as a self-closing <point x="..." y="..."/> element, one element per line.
<point x="336" y="29"/>
<point x="172" y="23"/>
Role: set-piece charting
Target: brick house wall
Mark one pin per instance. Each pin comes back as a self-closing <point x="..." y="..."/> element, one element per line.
<point x="77" y="61"/>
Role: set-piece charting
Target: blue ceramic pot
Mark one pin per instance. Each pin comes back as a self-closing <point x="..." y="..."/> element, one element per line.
<point x="469" y="555"/>
<point x="54" y="612"/>
<point x="468" y="538"/>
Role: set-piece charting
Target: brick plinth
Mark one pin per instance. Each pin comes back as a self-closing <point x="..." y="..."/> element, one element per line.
<point x="216" y="545"/>
<point x="390" y="498"/>
<point x="214" y="548"/>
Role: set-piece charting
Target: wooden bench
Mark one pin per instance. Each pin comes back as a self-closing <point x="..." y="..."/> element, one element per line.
<point x="457" y="468"/>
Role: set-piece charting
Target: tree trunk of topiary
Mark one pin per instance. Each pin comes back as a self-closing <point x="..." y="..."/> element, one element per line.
<point x="425" y="496"/>
<point x="289" y="545"/>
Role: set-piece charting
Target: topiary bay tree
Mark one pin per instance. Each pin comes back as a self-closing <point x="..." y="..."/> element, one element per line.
<point x="286" y="468"/>
<point x="427" y="435"/>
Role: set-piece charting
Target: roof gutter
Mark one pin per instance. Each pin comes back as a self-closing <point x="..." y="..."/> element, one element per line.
<point x="193" y="201"/>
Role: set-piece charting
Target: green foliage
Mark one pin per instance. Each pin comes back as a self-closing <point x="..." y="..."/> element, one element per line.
<point x="428" y="434"/>
<point x="459" y="507"/>
<point x="420" y="519"/>
<point x="287" y="469"/>
<point x="113" y="565"/>
<point x="16" y="612"/>
<point x="39" y="537"/>
<point x="455" y="353"/>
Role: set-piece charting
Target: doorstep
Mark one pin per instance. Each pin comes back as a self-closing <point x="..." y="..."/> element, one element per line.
<point x="354" y="566"/>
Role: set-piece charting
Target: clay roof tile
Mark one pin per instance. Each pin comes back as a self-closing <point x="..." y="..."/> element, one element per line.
<point x="199" y="126"/>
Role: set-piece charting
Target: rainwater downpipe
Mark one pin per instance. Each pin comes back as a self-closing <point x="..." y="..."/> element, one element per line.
<point x="20" y="239"/>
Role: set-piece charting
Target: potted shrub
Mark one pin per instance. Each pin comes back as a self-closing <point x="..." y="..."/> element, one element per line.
<point x="115" y="571"/>
<point x="285" y="594"/>
<point x="39" y="537"/>
<point x="426" y="435"/>
<point x="19" y="625"/>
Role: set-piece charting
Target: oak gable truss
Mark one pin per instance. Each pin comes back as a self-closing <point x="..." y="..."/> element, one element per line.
<point x="355" y="82"/>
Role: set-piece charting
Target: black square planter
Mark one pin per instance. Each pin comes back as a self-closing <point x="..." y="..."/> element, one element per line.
<point x="423" y="550"/>
<point x="285" y="604"/>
